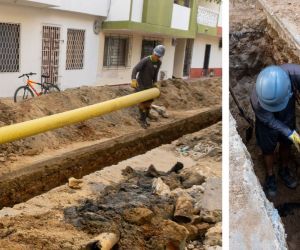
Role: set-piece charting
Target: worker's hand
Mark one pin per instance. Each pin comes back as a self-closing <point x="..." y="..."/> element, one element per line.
<point x="134" y="84"/>
<point x="295" y="138"/>
<point x="156" y="85"/>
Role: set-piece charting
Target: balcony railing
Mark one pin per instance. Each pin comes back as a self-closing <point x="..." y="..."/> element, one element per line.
<point x="207" y="17"/>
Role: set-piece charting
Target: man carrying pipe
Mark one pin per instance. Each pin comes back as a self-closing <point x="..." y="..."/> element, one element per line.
<point x="273" y="101"/>
<point x="144" y="76"/>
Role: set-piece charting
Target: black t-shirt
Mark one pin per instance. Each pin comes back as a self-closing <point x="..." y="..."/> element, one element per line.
<point x="147" y="71"/>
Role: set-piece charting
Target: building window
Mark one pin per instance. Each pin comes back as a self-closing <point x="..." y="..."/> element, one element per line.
<point x="9" y="47"/>
<point x="75" y="49"/>
<point x="148" y="45"/>
<point x="185" y="3"/>
<point x="117" y="51"/>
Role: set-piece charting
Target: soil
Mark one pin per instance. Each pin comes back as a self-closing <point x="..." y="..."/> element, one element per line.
<point x="254" y="44"/>
<point x="176" y="95"/>
<point x="120" y="199"/>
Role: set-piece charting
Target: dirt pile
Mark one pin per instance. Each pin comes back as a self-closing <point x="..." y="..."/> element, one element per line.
<point x="176" y="95"/>
<point x="254" y="44"/>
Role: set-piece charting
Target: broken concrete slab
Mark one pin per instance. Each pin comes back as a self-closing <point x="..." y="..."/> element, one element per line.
<point x="254" y="222"/>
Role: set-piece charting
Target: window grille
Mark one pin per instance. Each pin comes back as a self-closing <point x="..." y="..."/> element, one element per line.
<point x="50" y="52"/>
<point x="75" y="49"/>
<point x="9" y="47"/>
<point x="148" y="45"/>
<point x="117" y="51"/>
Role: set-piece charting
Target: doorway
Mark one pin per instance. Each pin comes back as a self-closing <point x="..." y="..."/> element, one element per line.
<point x="206" y="59"/>
<point x="50" y="52"/>
<point x="188" y="57"/>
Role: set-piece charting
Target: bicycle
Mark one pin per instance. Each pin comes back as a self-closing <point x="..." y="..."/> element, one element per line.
<point x="28" y="91"/>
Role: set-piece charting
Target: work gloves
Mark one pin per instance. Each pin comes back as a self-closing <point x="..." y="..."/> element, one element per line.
<point x="156" y="85"/>
<point x="134" y="84"/>
<point x="295" y="138"/>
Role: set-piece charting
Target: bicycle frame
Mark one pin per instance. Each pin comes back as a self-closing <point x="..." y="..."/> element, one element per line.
<point x="30" y="83"/>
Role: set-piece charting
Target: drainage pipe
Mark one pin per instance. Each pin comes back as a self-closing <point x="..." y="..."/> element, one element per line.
<point x="29" y="128"/>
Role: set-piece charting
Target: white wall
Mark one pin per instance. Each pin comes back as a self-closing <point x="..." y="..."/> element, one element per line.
<point x="179" y="57"/>
<point x="180" y="17"/>
<point x="168" y="59"/>
<point x="48" y="2"/>
<point x="137" y="10"/>
<point x="35" y="3"/>
<point x="31" y="22"/>
<point x="121" y="76"/>
<point x="220" y="17"/>
<point x="91" y="7"/>
<point x="199" y="52"/>
<point x="119" y="10"/>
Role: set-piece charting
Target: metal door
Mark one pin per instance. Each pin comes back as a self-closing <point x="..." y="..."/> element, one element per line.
<point x="50" y="52"/>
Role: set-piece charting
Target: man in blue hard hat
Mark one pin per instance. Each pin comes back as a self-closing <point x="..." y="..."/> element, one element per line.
<point x="273" y="102"/>
<point x="144" y="76"/>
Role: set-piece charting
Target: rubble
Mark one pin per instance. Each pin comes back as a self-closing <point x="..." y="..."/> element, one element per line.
<point x="104" y="241"/>
<point x="75" y="183"/>
<point x="128" y="205"/>
<point x="213" y="237"/>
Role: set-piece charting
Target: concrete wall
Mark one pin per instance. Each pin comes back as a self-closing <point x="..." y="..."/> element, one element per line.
<point x="254" y="222"/>
<point x="137" y="10"/>
<point x="91" y="7"/>
<point x="31" y="22"/>
<point x="179" y="57"/>
<point x="180" y="17"/>
<point x="119" y="10"/>
<point x="215" y="61"/>
<point x="169" y="58"/>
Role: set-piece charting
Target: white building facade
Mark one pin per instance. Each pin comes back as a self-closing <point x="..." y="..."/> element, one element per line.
<point x="97" y="42"/>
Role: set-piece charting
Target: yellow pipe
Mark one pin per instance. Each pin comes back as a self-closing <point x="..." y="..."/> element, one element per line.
<point x="29" y="128"/>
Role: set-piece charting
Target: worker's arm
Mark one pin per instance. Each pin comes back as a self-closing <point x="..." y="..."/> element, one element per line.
<point x="138" y="68"/>
<point x="268" y="119"/>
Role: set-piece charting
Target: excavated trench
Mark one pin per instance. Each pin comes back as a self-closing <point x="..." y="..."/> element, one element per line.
<point x="255" y="44"/>
<point x="36" y="178"/>
<point x="167" y="198"/>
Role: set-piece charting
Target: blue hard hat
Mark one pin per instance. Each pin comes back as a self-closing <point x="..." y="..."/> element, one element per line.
<point x="273" y="88"/>
<point x="159" y="50"/>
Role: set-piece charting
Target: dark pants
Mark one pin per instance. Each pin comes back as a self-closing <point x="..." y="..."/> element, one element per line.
<point x="267" y="138"/>
<point x="145" y="106"/>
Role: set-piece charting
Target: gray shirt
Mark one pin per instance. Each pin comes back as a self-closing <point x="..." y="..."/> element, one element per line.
<point x="147" y="73"/>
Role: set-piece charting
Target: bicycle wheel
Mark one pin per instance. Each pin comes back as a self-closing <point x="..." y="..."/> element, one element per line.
<point x="23" y="93"/>
<point x="51" y="88"/>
